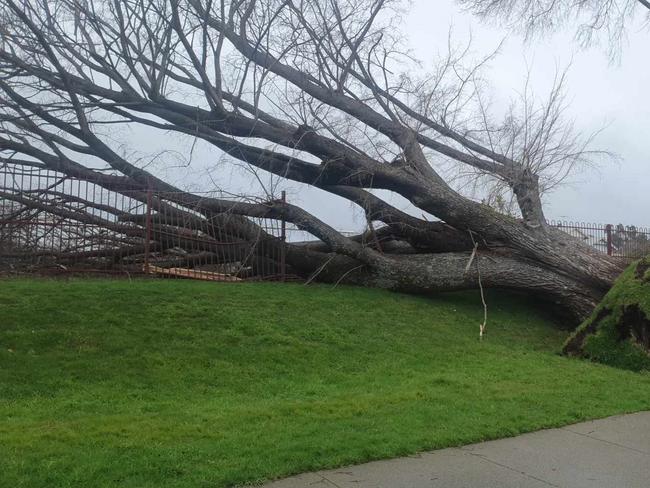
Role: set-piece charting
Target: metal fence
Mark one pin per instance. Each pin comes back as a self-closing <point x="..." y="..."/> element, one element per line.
<point x="626" y="242"/>
<point x="52" y="224"/>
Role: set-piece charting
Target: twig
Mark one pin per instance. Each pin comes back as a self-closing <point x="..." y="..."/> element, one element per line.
<point x="483" y="325"/>
<point x="318" y="271"/>
<point x="347" y="273"/>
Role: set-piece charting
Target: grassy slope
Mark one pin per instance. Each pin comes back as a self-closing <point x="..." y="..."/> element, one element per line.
<point x="187" y="384"/>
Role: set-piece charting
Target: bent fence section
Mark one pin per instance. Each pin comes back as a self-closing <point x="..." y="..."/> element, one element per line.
<point x="54" y="224"/>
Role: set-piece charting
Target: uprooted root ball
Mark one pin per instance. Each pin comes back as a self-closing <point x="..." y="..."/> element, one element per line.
<point x="618" y="331"/>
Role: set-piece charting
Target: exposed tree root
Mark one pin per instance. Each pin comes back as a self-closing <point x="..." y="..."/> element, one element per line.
<point x="618" y="332"/>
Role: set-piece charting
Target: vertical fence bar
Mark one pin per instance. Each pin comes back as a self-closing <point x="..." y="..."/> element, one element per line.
<point x="283" y="247"/>
<point x="147" y="239"/>
<point x="610" y="245"/>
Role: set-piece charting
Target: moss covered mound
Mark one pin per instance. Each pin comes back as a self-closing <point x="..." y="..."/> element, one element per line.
<point x="618" y="331"/>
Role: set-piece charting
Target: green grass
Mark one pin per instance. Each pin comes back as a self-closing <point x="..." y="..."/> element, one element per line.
<point x="187" y="384"/>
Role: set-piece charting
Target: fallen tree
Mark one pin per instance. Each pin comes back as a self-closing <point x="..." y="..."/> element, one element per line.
<point x="313" y="92"/>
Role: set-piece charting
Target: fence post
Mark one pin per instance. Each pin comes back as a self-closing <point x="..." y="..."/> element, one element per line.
<point x="147" y="239"/>
<point x="610" y="245"/>
<point x="283" y="237"/>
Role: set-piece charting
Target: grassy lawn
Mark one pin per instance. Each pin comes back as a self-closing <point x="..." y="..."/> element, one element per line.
<point x="188" y="384"/>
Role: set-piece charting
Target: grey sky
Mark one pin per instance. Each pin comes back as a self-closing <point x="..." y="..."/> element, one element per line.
<point x="601" y="94"/>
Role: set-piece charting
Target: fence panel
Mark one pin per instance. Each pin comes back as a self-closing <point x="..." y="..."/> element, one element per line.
<point x="52" y="224"/>
<point x="625" y="242"/>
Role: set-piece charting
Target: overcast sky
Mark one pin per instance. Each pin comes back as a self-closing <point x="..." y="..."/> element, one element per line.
<point x="601" y="95"/>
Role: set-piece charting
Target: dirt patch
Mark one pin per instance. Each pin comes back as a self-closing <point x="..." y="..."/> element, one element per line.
<point x="634" y="325"/>
<point x="574" y="346"/>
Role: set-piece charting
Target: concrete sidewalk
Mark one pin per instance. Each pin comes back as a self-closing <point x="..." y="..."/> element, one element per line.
<point x="607" y="453"/>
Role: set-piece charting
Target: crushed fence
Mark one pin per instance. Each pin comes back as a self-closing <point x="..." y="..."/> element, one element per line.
<point x="626" y="242"/>
<point x="51" y="224"/>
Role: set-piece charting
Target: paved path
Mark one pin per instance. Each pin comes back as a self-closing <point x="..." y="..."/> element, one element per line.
<point x="607" y="453"/>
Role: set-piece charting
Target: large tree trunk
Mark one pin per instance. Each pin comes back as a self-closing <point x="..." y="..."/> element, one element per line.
<point x="429" y="273"/>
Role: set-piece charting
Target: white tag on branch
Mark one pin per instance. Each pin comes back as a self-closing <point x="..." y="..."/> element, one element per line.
<point x="471" y="258"/>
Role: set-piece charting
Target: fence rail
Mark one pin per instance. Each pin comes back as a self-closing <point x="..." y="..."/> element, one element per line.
<point x="626" y="242"/>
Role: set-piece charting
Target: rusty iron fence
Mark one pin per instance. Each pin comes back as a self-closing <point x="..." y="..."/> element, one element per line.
<point x="54" y="224"/>
<point x="626" y="242"/>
